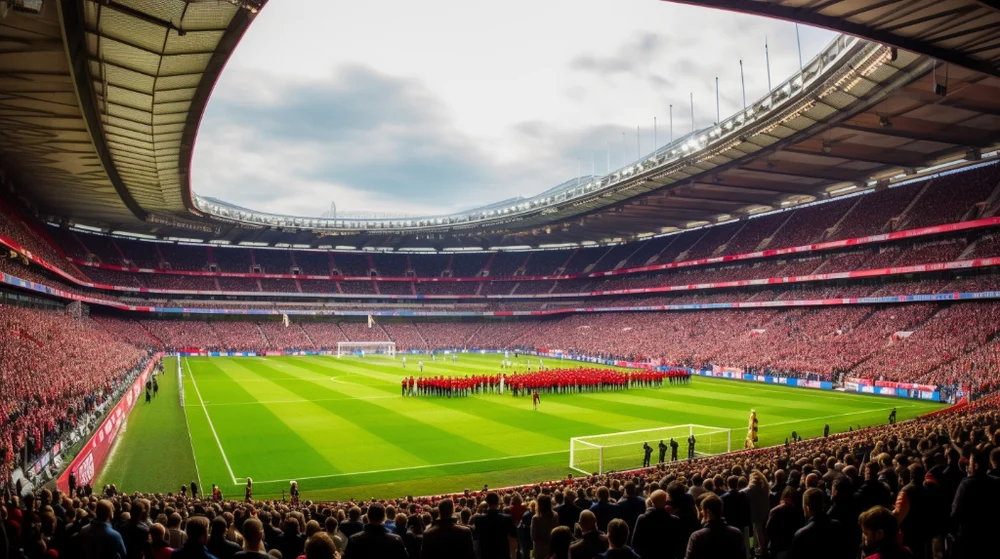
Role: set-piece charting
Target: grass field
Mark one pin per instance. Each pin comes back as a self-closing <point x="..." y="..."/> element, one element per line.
<point x="341" y="429"/>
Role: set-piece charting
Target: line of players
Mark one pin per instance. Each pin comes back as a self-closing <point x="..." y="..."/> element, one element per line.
<point x="557" y="381"/>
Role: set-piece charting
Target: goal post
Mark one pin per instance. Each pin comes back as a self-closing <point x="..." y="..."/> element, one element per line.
<point x="598" y="454"/>
<point x="369" y="348"/>
<point x="180" y="380"/>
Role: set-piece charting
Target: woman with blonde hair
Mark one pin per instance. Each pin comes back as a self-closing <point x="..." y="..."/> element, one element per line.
<point x="758" y="496"/>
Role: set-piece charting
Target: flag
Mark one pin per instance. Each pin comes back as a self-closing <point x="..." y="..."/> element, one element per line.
<point x="371" y="321"/>
<point x="284" y="320"/>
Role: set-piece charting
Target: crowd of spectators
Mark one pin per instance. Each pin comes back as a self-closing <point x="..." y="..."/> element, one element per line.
<point x="937" y="344"/>
<point x="943" y="199"/>
<point x="55" y="372"/>
<point x="952" y="197"/>
<point x="406" y="335"/>
<point x="14" y="226"/>
<point x="894" y="255"/>
<point x="913" y="489"/>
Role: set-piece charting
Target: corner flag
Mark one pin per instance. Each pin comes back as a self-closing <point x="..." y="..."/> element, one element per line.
<point x="371" y="321"/>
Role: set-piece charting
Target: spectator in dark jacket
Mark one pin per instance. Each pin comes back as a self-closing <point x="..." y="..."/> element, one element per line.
<point x="374" y="541"/>
<point x="681" y="504"/>
<point x="494" y="530"/>
<point x="445" y="538"/>
<point x="630" y="506"/>
<point x="98" y="540"/>
<point x="844" y="510"/>
<point x="136" y="532"/>
<point x="618" y="542"/>
<point x="197" y="537"/>
<point x="822" y="537"/>
<point x="569" y="513"/>
<point x="939" y="510"/>
<point x="911" y="510"/>
<point x="414" y="537"/>
<point x="657" y="532"/>
<point x="291" y="542"/>
<point x="353" y="524"/>
<point x="782" y="524"/>
<point x="737" y="506"/>
<point x="592" y="542"/>
<point x="218" y="545"/>
<point x="603" y="509"/>
<point x="716" y="540"/>
<point x="524" y="543"/>
<point x="975" y="511"/>
<point x="872" y="493"/>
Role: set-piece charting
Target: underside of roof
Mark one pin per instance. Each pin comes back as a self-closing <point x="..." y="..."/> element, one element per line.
<point x="102" y="101"/>
<point x="962" y="32"/>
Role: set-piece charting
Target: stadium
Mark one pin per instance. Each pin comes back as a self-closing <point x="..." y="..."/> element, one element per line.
<point x="771" y="333"/>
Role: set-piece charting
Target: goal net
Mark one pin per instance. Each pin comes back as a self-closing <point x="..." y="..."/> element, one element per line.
<point x="366" y="348"/>
<point x="624" y="451"/>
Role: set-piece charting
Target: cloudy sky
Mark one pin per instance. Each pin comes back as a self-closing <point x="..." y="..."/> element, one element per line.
<point x="442" y="105"/>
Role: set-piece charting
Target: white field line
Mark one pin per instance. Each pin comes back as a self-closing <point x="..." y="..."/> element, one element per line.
<point x="187" y="424"/>
<point x="420" y="467"/>
<point x="212" y="427"/>
<point x="303" y="401"/>
<point x="428" y="466"/>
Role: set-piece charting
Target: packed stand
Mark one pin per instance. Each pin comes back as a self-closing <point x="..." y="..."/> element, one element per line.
<point x="914" y="489"/>
<point x="56" y="371"/>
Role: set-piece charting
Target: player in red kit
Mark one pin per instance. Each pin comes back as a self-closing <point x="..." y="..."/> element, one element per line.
<point x="534" y="400"/>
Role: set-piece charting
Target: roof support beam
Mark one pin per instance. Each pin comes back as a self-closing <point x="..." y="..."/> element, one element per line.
<point x="71" y="20"/>
<point x="961" y="104"/>
<point x="768" y="187"/>
<point x="937" y="136"/>
<point x="864" y="156"/>
<point x="811" y="17"/>
<point x="800" y="170"/>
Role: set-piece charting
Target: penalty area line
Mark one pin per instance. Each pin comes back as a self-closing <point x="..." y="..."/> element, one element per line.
<point x="420" y="467"/>
<point x="210" y="425"/>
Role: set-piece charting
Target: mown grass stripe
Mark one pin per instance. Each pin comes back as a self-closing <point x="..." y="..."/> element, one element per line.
<point x="240" y="434"/>
<point x="429" y="442"/>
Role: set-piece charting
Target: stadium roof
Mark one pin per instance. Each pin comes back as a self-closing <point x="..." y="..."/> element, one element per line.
<point x="962" y="32"/>
<point x="101" y="101"/>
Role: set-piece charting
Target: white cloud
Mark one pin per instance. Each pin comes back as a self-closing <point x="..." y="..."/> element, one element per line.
<point x="446" y="104"/>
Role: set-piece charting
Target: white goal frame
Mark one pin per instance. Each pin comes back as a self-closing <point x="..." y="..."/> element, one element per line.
<point x="607" y="449"/>
<point x="348" y="348"/>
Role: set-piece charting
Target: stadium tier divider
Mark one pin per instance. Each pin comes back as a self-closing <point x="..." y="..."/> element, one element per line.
<point x="598" y="454"/>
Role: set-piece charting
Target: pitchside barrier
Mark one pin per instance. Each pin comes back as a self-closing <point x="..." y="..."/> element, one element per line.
<point x="624" y="451"/>
<point x="909" y="391"/>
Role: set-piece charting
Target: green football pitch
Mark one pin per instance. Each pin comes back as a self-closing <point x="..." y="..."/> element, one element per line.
<point x="342" y="430"/>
